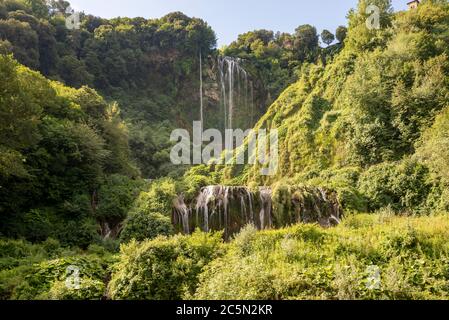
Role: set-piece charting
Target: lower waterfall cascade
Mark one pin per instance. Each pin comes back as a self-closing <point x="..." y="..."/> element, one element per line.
<point x="230" y="208"/>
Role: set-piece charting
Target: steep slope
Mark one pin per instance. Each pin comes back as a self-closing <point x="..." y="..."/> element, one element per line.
<point x="355" y="124"/>
<point x="151" y="67"/>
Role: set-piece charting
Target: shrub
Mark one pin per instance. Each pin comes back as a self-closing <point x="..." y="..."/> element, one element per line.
<point x="243" y="240"/>
<point x="12" y="278"/>
<point x="403" y="185"/>
<point x="379" y="256"/>
<point x="146" y="226"/>
<point x="198" y="177"/>
<point x="14" y="253"/>
<point x="434" y="147"/>
<point x="115" y="198"/>
<point x="344" y="181"/>
<point x="159" y="198"/>
<point x="14" y="248"/>
<point x="38" y="224"/>
<point x="88" y="290"/>
<point x="51" y="246"/>
<point x="77" y="233"/>
<point x="43" y="277"/>
<point x="70" y="229"/>
<point x="239" y="278"/>
<point x="164" y="268"/>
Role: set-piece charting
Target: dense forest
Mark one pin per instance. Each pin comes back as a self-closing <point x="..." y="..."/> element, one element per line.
<point x="86" y="178"/>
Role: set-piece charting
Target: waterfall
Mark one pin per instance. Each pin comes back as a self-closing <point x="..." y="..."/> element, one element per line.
<point x="181" y="214"/>
<point x="236" y="89"/>
<point x="228" y="208"/>
<point x="265" y="212"/>
<point x="252" y="102"/>
<point x="231" y="208"/>
<point x="231" y="65"/>
<point x="201" y="93"/>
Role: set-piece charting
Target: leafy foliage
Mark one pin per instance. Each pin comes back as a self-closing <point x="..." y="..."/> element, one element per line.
<point x="39" y="271"/>
<point x="115" y="198"/>
<point x="340" y="33"/>
<point x="165" y="269"/>
<point x="56" y="145"/>
<point x="307" y="262"/>
<point x="327" y="37"/>
<point x="366" y="117"/>
<point x="369" y="108"/>
<point x="45" y="280"/>
<point x="142" y="226"/>
<point x="433" y="148"/>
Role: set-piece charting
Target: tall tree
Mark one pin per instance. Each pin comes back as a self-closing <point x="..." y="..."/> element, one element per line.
<point x="38" y="7"/>
<point x="341" y="33"/>
<point x="327" y="37"/>
<point x="306" y="42"/>
<point x="58" y="6"/>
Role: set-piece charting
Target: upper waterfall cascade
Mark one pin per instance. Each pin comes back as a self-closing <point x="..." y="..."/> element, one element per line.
<point x="237" y="90"/>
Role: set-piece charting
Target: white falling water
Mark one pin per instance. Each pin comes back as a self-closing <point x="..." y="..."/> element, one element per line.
<point x="181" y="214"/>
<point x="229" y="208"/>
<point x="203" y="200"/>
<point x="222" y="201"/>
<point x="236" y="89"/>
<point x="265" y="212"/>
<point x="201" y="93"/>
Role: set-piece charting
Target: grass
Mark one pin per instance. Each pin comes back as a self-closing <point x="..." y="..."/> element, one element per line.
<point x="368" y="256"/>
<point x="377" y="256"/>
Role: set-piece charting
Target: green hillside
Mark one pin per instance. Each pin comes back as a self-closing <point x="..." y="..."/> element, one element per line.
<point x="371" y="122"/>
<point x="357" y="209"/>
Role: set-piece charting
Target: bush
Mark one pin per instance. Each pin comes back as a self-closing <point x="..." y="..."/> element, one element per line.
<point x="111" y="245"/>
<point x="344" y="181"/>
<point x="14" y="253"/>
<point x="38" y="282"/>
<point x="12" y="278"/>
<point x="69" y="228"/>
<point x="51" y="246"/>
<point x="159" y="199"/>
<point x="14" y="248"/>
<point x="307" y="262"/>
<point x="115" y="198"/>
<point x="434" y="147"/>
<point x="243" y="240"/>
<point x="403" y="185"/>
<point x="88" y="290"/>
<point x="164" y="268"/>
<point x="198" y="177"/>
<point x="77" y="233"/>
<point x="29" y="271"/>
<point x="146" y="226"/>
<point x="38" y="224"/>
<point x="97" y="250"/>
<point x="237" y="278"/>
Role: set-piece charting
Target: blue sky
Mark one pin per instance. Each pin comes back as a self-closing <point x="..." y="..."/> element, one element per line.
<point x="229" y="18"/>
